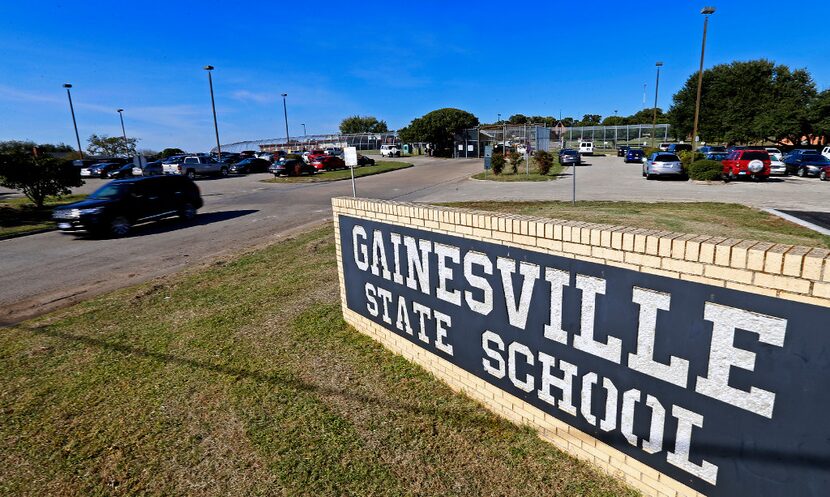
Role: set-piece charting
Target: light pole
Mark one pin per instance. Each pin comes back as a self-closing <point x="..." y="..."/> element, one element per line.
<point x="285" y="112"/>
<point x="304" y="135"/>
<point x="656" y="87"/>
<point x="74" y="123"/>
<point x="123" y="131"/>
<point x="213" y="106"/>
<point x="706" y="11"/>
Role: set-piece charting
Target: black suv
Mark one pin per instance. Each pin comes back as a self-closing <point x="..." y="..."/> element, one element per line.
<point x="115" y="207"/>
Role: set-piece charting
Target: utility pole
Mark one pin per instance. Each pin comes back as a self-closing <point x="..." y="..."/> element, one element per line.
<point x="656" y="88"/>
<point x="285" y="113"/>
<point x="123" y="131"/>
<point x="213" y="106"/>
<point x="707" y="11"/>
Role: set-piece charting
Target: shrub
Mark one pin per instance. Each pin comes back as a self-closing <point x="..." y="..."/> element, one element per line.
<point x="37" y="178"/>
<point x="543" y="161"/>
<point x="705" y="170"/>
<point x="650" y="150"/>
<point x="497" y="163"/>
<point x="515" y="159"/>
<point x="687" y="157"/>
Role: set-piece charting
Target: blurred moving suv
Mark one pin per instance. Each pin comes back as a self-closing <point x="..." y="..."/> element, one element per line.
<point x="117" y="206"/>
<point x="662" y="164"/>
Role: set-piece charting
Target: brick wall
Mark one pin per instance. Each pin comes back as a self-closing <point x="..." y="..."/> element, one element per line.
<point x="784" y="271"/>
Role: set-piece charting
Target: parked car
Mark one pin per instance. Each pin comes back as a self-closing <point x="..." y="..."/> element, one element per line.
<point x="662" y="164"/>
<point x="328" y="163"/>
<point x="310" y="155"/>
<point x="125" y="171"/>
<point x="334" y="151"/>
<point x="362" y="160"/>
<point x="249" y="165"/>
<point x="776" y="166"/>
<point x="390" y="151"/>
<point x="676" y="148"/>
<point x="227" y="157"/>
<point x="117" y="206"/>
<point x="266" y="155"/>
<point x="826" y="152"/>
<point x="150" y="169"/>
<point x="198" y="165"/>
<point x="664" y="146"/>
<point x="634" y="155"/>
<point x="622" y="150"/>
<point x="291" y="167"/>
<point x="708" y="149"/>
<point x="569" y="157"/>
<point x="100" y="170"/>
<point x="586" y="148"/>
<point x="774" y="152"/>
<point x="746" y="163"/>
<point x="805" y="162"/>
<point x="824" y="174"/>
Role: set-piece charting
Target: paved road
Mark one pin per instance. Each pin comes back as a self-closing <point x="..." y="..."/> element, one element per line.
<point x="49" y="270"/>
<point x="45" y="271"/>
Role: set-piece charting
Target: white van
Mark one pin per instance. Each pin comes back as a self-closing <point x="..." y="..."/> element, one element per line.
<point x="390" y="151"/>
<point x="586" y="148"/>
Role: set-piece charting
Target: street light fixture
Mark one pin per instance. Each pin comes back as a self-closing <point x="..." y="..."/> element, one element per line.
<point x="213" y="106"/>
<point x="285" y="113"/>
<point x="706" y="11"/>
<point x="74" y="123"/>
<point x="656" y="87"/>
<point x="123" y="132"/>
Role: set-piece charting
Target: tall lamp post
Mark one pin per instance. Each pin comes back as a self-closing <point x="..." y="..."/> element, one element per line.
<point x="74" y="123"/>
<point x="654" y="119"/>
<point x="304" y="135"/>
<point x="706" y="11"/>
<point x="213" y="106"/>
<point x="285" y="113"/>
<point x="123" y="131"/>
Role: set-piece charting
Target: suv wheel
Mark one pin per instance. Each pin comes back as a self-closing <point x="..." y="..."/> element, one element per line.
<point x="191" y="174"/>
<point x="823" y="175"/>
<point x="802" y="172"/>
<point x="223" y="172"/>
<point x="187" y="212"/>
<point x="120" y="226"/>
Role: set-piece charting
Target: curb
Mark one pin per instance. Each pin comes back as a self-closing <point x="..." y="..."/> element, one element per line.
<point x="798" y="221"/>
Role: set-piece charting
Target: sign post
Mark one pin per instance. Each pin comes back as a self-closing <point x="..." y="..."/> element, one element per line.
<point x="350" y="155"/>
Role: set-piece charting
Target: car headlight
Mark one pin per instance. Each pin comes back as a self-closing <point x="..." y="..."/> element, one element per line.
<point x="87" y="212"/>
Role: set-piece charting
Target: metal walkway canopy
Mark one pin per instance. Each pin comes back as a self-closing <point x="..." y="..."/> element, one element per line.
<point x="362" y="141"/>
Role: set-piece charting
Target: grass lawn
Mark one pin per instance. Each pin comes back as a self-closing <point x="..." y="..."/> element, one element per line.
<point x="555" y="171"/>
<point x="380" y="167"/>
<point x="704" y="218"/>
<point x="241" y="378"/>
<point x="19" y="216"/>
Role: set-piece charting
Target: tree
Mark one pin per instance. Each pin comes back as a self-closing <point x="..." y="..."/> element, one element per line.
<point x="110" y="146"/>
<point x="439" y="128"/>
<point x="517" y="119"/>
<point x="745" y="102"/>
<point x="515" y="159"/>
<point x="646" y="116"/>
<point x="590" y="120"/>
<point x="819" y="114"/>
<point x="543" y="160"/>
<point x="362" y="124"/>
<point x="35" y="174"/>
<point x="169" y="152"/>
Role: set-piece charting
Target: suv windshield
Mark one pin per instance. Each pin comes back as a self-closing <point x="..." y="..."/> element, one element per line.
<point x="755" y="156"/>
<point x="110" y="191"/>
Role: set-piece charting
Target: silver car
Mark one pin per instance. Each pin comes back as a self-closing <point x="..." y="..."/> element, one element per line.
<point x="776" y="167"/>
<point x="662" y="164"/>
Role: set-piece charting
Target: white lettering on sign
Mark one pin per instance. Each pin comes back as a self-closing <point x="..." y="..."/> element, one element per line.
<point x="677" y="371"/>
<point x="444" y="252"/>
<point x="517" y="312"/>
<point x="485" y="305"/>
<point x="564" y="384"/>
<point x="361" y="257"/>
<point x="585" y="341"/>
<point x="379" y="256"/>
<point x="487" y="338"/>
<point x="557" y="279"/>
<point x="723" y="355"/>
<point x="417" y="263"/>
<point x="686" y="419"/>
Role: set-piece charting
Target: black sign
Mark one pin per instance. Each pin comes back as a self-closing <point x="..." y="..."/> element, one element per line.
<point x="725" y="391"/>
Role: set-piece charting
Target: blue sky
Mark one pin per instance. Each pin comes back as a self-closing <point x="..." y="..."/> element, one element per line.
<point x="393" y="61"/>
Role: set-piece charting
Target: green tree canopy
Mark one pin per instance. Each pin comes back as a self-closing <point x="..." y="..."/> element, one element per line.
<point x="32" y="170"/>
<point x="518" y="119"/>
<point x="819" y="114"/>
<point x="362" y="124"/>
<point x="438" y="127"/>
<point x="169" y="152"/>
<point x="110" y="146"/>
<point x="746" y="102"/>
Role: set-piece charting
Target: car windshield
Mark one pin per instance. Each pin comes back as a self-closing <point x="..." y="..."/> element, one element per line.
<point x="666" y="158"/>
<point x="819" y="159"/>
<point x="110" y="191"/>
<point x="245" y="161"/>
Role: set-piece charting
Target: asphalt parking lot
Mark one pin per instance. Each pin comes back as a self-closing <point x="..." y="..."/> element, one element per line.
<point x="48" y="270"/>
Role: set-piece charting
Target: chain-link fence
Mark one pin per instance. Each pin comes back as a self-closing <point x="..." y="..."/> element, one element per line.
<point x="361" y="141"/>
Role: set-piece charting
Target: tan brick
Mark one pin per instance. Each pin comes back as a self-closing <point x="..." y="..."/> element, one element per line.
<point x="707" y="250"/>
<point x="642" y="259"/>
<point x="821" y="290"/>
<point x="774" y="259"/>
<point x="756" y="255"/>
<point x="794" y="259"/>
<point x="628" y="240"/>
<point x="682" y="266"/>
<point x="693" y="247"/>
<point x="751" y="289"/>
<point x="605" y="238"/>
<point x="664" y="250"/>
<point x="653" y="243"/>
<point x="616" y="238"/>
<point x="740" y="252"/>
<point x="795" y="285"/>
<point x="723" y="251"/>
<point x="813" y="262"/>
<point x="703" y="280"/>
<point x="728" y="274"/>
<point x="807" y="299"/>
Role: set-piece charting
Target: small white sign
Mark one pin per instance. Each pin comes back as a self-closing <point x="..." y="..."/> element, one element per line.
<point x="460" y="147"/>
<point x="470" y="148"/>
<point x="350" y="155"/>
